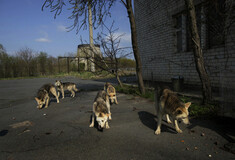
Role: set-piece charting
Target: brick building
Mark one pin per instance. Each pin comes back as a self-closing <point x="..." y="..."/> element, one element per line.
<point x="165" y="44"/>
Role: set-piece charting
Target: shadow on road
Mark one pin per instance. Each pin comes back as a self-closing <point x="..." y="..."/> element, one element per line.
<point x="148" y="120"/>
<point x="224" y="126"/>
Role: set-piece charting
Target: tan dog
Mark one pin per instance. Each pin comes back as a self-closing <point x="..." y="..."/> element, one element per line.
<point x="168" y="103"/>
<point x="110" y="90"/>
<point x="101" y="110"/>
<point x="43" y="95"/>
<point x="66" y="86"/>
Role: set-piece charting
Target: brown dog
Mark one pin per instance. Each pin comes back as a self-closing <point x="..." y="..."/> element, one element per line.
<point x="66" y="86"/>
<point x="101" y="110"/>
<point x="168" y="103"/>
<point x="43" y="95"/>
<point x="110" y="90"/>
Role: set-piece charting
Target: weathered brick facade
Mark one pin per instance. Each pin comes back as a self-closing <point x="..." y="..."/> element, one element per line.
<point x="157" y="42"/>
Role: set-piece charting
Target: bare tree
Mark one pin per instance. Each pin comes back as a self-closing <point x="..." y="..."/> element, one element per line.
<point x="100" y="10"/>
<point x="198" y="54"/>
<point x="109" y="60"/>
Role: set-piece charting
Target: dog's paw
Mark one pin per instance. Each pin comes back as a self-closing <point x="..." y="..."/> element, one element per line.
<point x="107" y="127"/>
<point x="179" y="130"/>
<point x="91" y="125"/>
<point x="169" y="121"/>
<point x="158" y="131"/>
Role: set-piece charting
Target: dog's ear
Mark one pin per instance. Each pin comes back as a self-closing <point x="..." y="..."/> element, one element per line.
<point x="187" y="105"/>
<point x="36" y="98"/>
<point x="178" y="112"/>
<point x="97" y="114"/>
<point x="94" y="104"/>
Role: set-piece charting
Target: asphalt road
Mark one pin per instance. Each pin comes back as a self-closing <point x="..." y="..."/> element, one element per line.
<point x="62" y="130"/>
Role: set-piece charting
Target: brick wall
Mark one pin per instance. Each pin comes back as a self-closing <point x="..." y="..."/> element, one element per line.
<point x="157" y="45"/>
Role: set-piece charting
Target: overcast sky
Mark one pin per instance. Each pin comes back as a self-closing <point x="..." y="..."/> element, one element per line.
<point x="24" y="24"/>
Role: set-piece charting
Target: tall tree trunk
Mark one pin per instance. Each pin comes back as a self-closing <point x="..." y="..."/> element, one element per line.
<point x="134" y="46"/>
<point x="119" y="81"/>
<point x="91" y="52"/>
<point x="198" y="55"/>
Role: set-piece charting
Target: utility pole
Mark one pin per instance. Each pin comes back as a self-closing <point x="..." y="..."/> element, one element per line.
<point x="91" y="36"/>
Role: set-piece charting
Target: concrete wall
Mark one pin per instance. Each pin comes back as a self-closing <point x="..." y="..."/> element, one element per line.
<point x="85" y="55"/>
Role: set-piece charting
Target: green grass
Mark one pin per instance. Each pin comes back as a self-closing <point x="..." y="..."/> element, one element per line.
<point x="135" y="91"/>
<point x="85" y="75"/>
<point x="198" y="110"/>
<point x="195" y="110"/>
<point x="82" y="75"/>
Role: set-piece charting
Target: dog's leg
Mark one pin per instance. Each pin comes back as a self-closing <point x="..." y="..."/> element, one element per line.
<point x="107" y="125"/>
<point x="177" y="127"/>
<point x="47" y="101"/>
<point x="72" y="93"/>
<point x="116" y="100"/>
<point x="58" y="94"/>
<point x="92" y="120"/>
<point x="53" y="91"/>
<point x="159" y="123"/>
<point x="93" y="115"/>
<point x="62" y="92"/>
<point x="74" y="87"/>
<point x="159" y="117"/>
<point x="108" y="106"/>
<point x="168" y="119"/>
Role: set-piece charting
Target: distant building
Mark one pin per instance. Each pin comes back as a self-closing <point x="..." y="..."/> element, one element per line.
<point x="85" y="55"/>
<point x="165" y="44"/>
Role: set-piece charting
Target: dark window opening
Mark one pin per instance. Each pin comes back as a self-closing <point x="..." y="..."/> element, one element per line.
<point x="215" y="13"/>
<point x="210" y="17"/>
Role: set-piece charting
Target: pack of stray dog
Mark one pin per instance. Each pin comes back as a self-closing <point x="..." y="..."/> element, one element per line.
<point x="43" y="94"/>
<point x="167" y="103"/>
